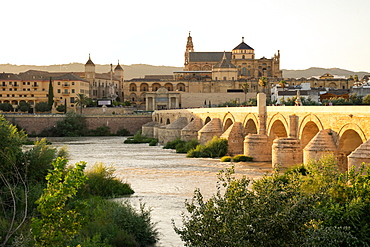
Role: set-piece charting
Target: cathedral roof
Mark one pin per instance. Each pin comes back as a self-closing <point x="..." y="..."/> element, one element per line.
<point x="70" y="77"/>
<point x="224" y="63"/>
<point x="208" y="56"/>
<point x="243" y="46"/>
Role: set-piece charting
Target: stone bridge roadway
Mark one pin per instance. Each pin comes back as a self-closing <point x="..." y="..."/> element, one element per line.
<point x="285" y="135"/>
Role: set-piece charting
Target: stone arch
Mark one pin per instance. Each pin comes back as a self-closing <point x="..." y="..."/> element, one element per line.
<point x="155" y="86"/>
<point x="133" y="87"/>
<point x="133" y="97"/>
<point x="195" y="68"/>
<point x="354" y="127"/>
<point x="207" y="67"/>
<point x="168" y="121"/>
<point x="277" y="126"/>
<point x="308" y="128"/>
<point x="349" y="140"/>
<point x="168" y="86"/>
<point x="208" y="119"/>
<point x="180" y="87"/>
<point x="228" y="120"/>
<point x="143" y="97"/>
<point x="250" y="124"/>
<point x="144" y="87"/>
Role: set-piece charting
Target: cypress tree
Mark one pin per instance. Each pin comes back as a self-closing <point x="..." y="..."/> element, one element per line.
<point x="50" y="94"/>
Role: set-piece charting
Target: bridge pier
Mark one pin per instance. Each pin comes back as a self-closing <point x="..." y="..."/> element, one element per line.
<point x="286" y="152"/>
<point x="258" y="147"/>
<point x="359" y="156"/>
<point x="190" y="131"/>
<point x="211" y="129"/>
<point x="235" y="137"/>
<point x="322" y="144"/>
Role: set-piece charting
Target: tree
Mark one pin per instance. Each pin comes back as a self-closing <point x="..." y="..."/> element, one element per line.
<point x="42" y="107"/>
<point x="81" y="101"/>
<point x="245" y="88"/>
<point x="50" y="94"/>
<point x="310" y="205"/>
<point x="355" y="78"/>
<point x="6" y="107"/>
<point x="24" y="106"/>
<point x="58" y="223"/>
<point x="263" y="81"/>
<point x="366" y="100"/>
<point x="282" y="84"/>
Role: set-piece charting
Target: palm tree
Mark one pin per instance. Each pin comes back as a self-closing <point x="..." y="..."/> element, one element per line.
<point x="263" y="82"/>
<point x="245" y="88"/>
<point x="282" y="84"/>
<point x="81" y="101"/>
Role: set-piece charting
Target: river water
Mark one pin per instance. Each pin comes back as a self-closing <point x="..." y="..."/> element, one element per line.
<point x="161" y="179"/>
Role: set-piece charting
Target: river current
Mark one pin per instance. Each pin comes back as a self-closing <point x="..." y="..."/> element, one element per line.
<point x="161" y="178"/>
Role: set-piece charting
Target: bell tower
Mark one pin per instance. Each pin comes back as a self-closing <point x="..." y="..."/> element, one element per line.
<point x="189" y="48"/>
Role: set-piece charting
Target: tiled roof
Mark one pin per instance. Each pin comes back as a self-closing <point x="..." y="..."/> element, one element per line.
<point x="69" y="76"/>
<point x="243" y="46"/>
<point x="207" y="56"/>
<point x="9" y="76"/>
<point x="224" y="63"/>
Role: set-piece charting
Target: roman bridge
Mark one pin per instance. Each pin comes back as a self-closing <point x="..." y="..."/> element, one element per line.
<point x="284" y="135"/>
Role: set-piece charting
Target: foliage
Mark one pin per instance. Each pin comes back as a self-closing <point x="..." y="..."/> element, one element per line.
<point x="139" y="138"/>
<point x="263" y="81"/>
<point x="366" y="100"/>
<point x="153" y="142"/>
<point x="101" y="131"/>
<point x="242" y="158"/>
<point x="291" y="101"/>
<point x="173" y="144"/>
<point x="102" y="182"/>
<point x="6" y="107"/>
<point x="126" y="103"/>
<point x="81" y="101"/>
<point x="355" y="99"/>
<point x="310" y="205"/>
<point x="123" y="132"/>
<point x="42" y="107"/>
<point x="217" y="147"/>
<point x="59" y="223"/>
<point x="226" y="159"/>
<point x="116" y="224"/>
<point x="50" y="94"/>
<point x="61" y="108"/>
<point x="71" y="125"/>
<point x="24" y="106"/>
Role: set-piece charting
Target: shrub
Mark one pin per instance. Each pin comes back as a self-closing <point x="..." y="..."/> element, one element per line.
<point x="139" y="138"/>
<point x="42" y="107"/>
<point x="242" y="158"/>
<point x="101" y="131"/>
<point x="173" y="144"/>
<point x="225" y="159"/>
<point x="61" y="108"/>
<point x="153" y="142"/>
<point x="217" y="147"/>
<point x="102" y="182"/>
<point x="123" y="132"/>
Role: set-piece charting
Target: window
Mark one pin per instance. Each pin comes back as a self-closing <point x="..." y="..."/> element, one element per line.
<point x="73" y="91"/>
<point x="244" y="71"/>
<point x="73" y="83"/>
<point x="28" y="83"/>
<point x="243" y="57"/>
<point x="58" y="90"/>
<point x="72" y="100"/>
<point x="59" y="83"/>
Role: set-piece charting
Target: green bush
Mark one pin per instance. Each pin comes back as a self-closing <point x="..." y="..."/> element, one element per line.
<point x="123" y="132"/>
<point x="217" y="147"/>
<point x="102" y="182"/>
<point x="242" y="158"/>
<point x="173" y="144"/>
<point x="61" y="108"/>
<point x="153" y="142"/>
<point x="101" y="131"/>
<point x="139" y="138"/>
<point x="226" y="159"/>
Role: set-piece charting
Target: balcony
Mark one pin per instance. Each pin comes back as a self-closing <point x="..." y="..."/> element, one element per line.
<point x="35" y="85"/>
<point x="65" y="93"/>
<point x="65" y="85"/>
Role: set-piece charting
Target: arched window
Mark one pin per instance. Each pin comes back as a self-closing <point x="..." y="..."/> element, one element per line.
<point x="244" y="71"/>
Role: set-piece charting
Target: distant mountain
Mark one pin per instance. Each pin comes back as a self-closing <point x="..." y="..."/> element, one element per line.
<point x="314" y="71"/>
<point x="140" y="70"/>
<point x="131" y="71"/>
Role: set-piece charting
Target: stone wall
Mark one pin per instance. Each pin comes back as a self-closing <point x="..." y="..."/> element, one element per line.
<point x="34" y="124"/>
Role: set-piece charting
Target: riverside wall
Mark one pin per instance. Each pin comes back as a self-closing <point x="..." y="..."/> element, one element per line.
<point x="34" y="124"/>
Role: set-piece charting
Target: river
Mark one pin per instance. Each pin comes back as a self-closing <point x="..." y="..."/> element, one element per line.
<point x="161" y="178"/>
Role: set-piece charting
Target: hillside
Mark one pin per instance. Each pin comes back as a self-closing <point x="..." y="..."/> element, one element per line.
<point x="140" y="70"/>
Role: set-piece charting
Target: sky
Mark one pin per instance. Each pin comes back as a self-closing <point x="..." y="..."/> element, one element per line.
<point x="308" y="33"/>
